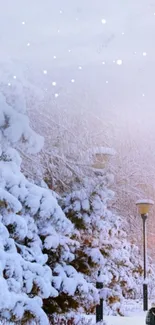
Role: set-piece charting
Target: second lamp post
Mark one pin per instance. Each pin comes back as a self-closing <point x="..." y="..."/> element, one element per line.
<point x="144" y="207"/>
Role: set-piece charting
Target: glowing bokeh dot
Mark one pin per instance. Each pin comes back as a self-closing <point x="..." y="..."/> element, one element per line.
<point x="119" y="62"/>
<point x="45" y="72"/>
<point x="73" y="80"/>
<point x="14" y="77"/>
<point x="54" y="57"/>
<point x="103" y="21"/>
<point x="9" y="84"/>
<point x="107" y="81"/>
<point x="56" y="95"/>
<point x="54" y="83"/>
<point x="144" y="53"/>
<point x="28" y="44"/>
<point x="103" y="62"/>
<point x="80" y="68"/>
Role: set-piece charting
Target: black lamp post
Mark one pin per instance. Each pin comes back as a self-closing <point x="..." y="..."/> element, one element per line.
<point x="144" y="207"/>
<point x="99" y="308"/>
<point x="99" y="157"/>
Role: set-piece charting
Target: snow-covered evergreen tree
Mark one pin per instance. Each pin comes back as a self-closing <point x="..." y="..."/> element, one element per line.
<point x="103" y="242"/>
<point x="31" y="225"/>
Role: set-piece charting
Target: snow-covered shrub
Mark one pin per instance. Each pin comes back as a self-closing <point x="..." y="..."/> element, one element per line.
<point x="103" y="243"/>
<point x="25" y="279"/>
<point x="37" y="241"/>
<point x="72" y="319"/>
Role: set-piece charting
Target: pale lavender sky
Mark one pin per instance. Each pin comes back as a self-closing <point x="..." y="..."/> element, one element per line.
<point x="33" y="32"/>
<point x="81" y="30"/>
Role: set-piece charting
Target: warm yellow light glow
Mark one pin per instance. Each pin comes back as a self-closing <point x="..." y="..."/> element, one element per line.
<point x="100" y="156"/>
<point x="144" y="206"/>
<point x="100" y="161"/>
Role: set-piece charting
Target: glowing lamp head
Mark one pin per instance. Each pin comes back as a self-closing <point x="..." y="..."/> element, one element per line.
<point x="144" y="206"/>
<point x="100" y="157"/>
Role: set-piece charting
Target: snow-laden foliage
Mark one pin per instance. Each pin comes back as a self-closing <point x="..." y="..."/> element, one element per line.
<point x="32" y="225"/>
<point x="73" y="319"/>
<point x="103" y="244"/>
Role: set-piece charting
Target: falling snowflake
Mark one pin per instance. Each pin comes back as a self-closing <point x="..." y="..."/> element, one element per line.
<point x="80" y="68"/>
<point x="143" y="95"/>
<point x="144" y="53"/>
<point x="60" y="12"/>
<point x="54" y="57"/>
<point x="103" y="62"/>
<point x="23" y="22"/>
<point x="45" y="72"/>
<point x="28" y="44"/>
<point x="58" y="30"/>
<point x="107" y="81"/>
<point x="103" y="21"/>
<point x="114" y="61"/>
<point x="56" y="95"/>
<point x="73" y="80"/>
<point x="9" y="84"/>
<point x="122" y="33"/>
<point x="69" y="51"/>
<point x="14" y="77"/>
<point x="54" y="83"/>
<point x="119" y="62"/>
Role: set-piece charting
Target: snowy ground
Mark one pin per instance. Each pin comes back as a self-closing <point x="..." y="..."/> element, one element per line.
<point x="134" y="310"/>
<point x="131" y="320"/>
